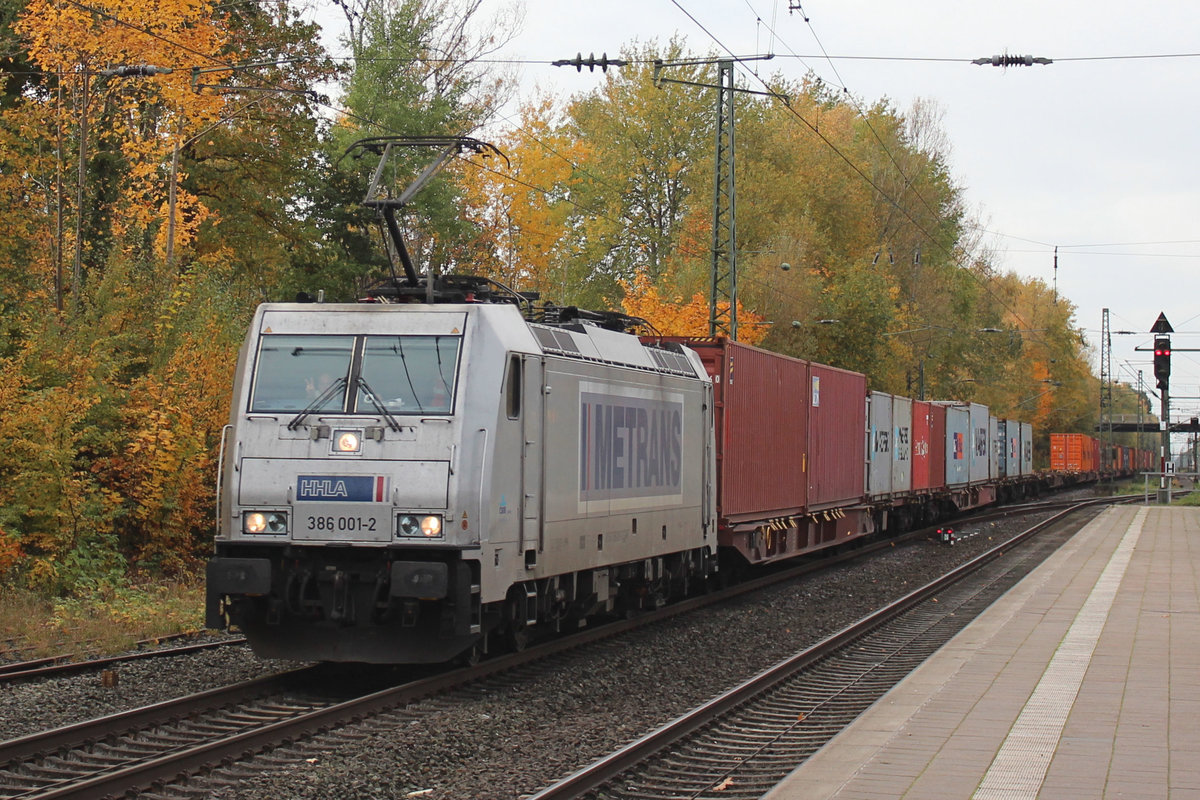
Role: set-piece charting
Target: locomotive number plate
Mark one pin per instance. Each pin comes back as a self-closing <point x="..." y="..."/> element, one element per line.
<point x="342" y="522"/>
<point x="328" y="523"/>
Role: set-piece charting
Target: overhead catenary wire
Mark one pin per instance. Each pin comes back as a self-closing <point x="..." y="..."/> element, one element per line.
<point x="957" y="258"/>
<point x="549" y="192"/>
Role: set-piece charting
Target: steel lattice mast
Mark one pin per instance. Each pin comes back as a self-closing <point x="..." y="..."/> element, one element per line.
<point x="724" y="241"/>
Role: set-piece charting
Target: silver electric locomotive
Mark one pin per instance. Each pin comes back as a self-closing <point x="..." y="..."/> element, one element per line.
<point x="411" y="482"/>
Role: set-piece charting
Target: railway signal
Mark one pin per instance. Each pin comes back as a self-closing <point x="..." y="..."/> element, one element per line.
<point x="1162" y="372"/>
<point x="1162" y="360"/>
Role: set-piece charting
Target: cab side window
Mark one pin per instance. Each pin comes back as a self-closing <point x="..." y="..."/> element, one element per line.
<point x="512" y="388"/>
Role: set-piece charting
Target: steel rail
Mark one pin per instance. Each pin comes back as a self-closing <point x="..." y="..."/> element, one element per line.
<point x="191" y="758"/>
<point x="60" y="665"/>
<point x="594" y="776"/>
<point x="68" y="736"/>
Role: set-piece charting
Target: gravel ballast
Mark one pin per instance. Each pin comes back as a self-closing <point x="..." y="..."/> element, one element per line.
<point x="506" y="740"/>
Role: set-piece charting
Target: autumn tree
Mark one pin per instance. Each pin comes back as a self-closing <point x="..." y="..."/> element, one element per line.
<point x="416" y="74"/>
<point x="521" y="208"/>
<point x="134" y="171"/>
<point x="649" y="151"/>
<point x="676" y="316"/>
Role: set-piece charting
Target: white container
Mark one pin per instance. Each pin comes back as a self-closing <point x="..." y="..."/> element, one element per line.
<point x="980" y="444"/>
<point x="958" y="445"/>
<point x="879" y="444"/>
<point x="901" y="445"/>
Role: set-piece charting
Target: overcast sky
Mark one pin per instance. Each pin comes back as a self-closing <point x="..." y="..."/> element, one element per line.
<point x="1096" y="153"/>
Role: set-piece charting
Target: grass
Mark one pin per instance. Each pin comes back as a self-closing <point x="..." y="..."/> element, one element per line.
<point x="110" y="622"/>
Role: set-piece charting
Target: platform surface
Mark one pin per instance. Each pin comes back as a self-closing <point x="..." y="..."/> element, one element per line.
<point x="1081" y="683"/>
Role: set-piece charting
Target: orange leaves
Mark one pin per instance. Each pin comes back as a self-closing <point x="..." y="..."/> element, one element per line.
<point x="10" y="551"/>
<point x="140" y="117"/>
<point x="64" y="37"/>
<point x="172" y="422"/>
<point x="677" y="318"/>
<point x="521" y="210"/>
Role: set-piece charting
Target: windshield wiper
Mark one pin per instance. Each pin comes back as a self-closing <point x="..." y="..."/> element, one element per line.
<point x="379" y="406"/>
<point x="320" y="400"/>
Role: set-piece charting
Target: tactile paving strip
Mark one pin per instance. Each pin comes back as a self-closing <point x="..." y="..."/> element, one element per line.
<point x="1020" y="766"/>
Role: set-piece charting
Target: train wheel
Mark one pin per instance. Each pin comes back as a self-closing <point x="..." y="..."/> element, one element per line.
<point x="518" y="638"/>
<point x="517" y="633"/>
<point x="472" y="656"/>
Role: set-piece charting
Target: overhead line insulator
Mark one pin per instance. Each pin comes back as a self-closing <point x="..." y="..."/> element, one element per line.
<point x="1012" y="61"/>
<point x="591" y="62"/>
<point x="136" y="71"/>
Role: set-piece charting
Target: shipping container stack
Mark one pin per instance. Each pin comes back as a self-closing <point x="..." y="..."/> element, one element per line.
<point x="789" y="450"/>
<point x="807" y="458"/>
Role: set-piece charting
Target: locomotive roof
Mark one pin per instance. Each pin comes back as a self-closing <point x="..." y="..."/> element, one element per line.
<point x="579" y="340"/>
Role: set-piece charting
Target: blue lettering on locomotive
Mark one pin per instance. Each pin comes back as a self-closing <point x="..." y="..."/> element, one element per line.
<point x="630" y="447"/>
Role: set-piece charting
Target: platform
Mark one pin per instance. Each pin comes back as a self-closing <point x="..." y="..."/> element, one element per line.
<point x="1081" y="683"/>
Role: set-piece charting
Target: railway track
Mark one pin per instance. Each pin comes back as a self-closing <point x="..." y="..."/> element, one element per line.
<point x="741" y="744"/>
<point x="71" y="663"/>
<point x="94" y="758"/>
<point x="142" y="748"/>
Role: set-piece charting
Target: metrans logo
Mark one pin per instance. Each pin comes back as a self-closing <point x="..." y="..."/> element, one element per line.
<point x="341" y="488"/>
<point x="630" y="443"/>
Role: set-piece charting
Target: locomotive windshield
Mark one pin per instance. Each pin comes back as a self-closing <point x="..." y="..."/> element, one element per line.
<point x="410" y="374"/>
<point x="296" y="372"/>
<point x="402" y="374"/>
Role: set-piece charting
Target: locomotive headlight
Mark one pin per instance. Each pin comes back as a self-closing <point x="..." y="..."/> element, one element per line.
<point x="270" y="522"/>
<point x="414" y="526"/>
<point x="346" y="441"/>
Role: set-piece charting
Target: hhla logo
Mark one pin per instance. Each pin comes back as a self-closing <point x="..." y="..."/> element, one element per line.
<point x="344" y="488"/>
<point x="323" y="487"/>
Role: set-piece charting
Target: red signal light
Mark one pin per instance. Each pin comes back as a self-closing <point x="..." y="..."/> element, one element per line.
<point x="1162" y="360"/>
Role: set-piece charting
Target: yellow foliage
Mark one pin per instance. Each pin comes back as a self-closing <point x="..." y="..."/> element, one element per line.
<point x="171" y="449"/>
<point x="145" y="117"/>
<point x="521" y="210"/>
<point x="679" y="318"/>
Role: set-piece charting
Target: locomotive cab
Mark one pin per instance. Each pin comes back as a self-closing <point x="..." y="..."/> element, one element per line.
<point x="342" y="503"/>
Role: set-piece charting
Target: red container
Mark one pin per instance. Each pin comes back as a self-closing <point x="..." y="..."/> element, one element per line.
<point x="937" y="446"/>
<point x="922" y="430"/>
<point x="762" y="421"/>
<point x="837" y="420"/>
<point x="1058" y="452"/>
